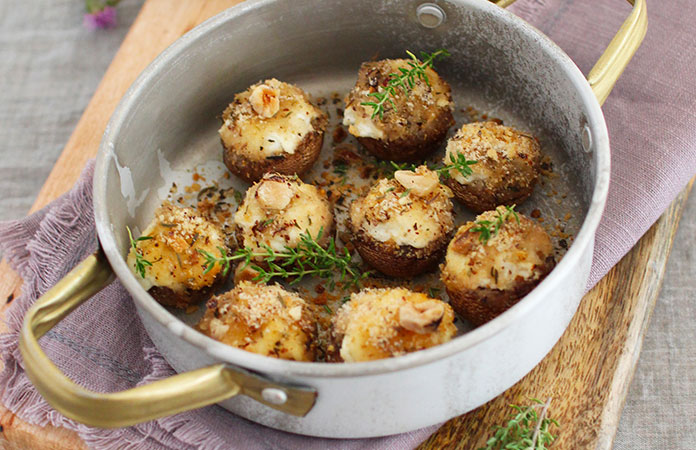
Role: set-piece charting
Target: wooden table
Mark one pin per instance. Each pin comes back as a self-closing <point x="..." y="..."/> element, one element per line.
<point x="587" y="373"/>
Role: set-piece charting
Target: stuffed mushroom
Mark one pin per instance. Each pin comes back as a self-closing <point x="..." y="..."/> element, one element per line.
<point x="381" y="323"/>
<point x="263" y="319"/>
<point x="410" y="122"/>
<point x="402" y="226"/>
<point x="506" y="169"/>
<point x="167" y="257"/>
<point x="278" y="210"/>
<point x="493" y="262"/>
<point x="271" y="127"/>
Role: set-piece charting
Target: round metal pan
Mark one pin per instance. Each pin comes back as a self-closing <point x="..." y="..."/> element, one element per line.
<point x="167" y="123"/>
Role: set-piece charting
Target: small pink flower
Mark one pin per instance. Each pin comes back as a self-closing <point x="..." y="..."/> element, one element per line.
<point x="104" y="18"/>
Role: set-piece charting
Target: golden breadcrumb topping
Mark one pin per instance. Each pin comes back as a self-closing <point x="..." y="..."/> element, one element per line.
<point x="412" y="113"/>
<point x="494" y="147"/>
<point x="269" y="119"/>
<point x="381" y="323"/>
<point x="278" y="209"/>
<point x="264" y="319"/>
<point x="412" y="209"/>
<point x="518" y="252"/>
<point x="177" y="236"/>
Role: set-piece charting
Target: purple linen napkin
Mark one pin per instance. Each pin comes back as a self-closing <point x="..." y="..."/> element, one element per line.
<point x="102" y="345"/>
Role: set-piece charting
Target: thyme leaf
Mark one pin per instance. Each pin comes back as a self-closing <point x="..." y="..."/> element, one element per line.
<point x="488" y="229"/>
<point x="238" y="197"/>
<point x="387" y="168"/>
<point x="140" y="262"/>
<point x="340" y="168"/>
<point x="457" y="162"/>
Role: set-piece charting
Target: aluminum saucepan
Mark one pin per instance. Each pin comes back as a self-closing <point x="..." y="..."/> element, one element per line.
<point x="167" y="122"/>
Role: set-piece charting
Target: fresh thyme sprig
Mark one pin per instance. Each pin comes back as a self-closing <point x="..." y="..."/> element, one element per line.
<point x="405" y="81"/>
<point x="387" y="168"/>
<point x="490" y="228"/>
<point x="140" y="261"/>
<point x="309" y="258"/>
<point x="526" y="430"/>
<point x="457" y="162"/>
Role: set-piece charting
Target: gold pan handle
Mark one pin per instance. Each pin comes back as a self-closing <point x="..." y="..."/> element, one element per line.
<point x="176" y="394"/>
<point x="621" y="49"/>
<point x="504" y="3"/>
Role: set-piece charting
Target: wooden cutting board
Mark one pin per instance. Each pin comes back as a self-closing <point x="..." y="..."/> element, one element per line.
<point x="587" y="373"/>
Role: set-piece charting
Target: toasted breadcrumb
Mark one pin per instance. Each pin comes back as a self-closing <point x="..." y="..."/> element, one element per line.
<point x="392" y="213"/>
<point x="414" y="113"/>
<point x="518" y="252"/>
<point x="264" y="319"/>
<point x="258" y="136"/>
<point x="277" y="216"/>
<point x="177" y="236"/>
<point x="381" y="323"/>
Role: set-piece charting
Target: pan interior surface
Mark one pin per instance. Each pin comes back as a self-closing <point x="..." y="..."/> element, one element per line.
<point x="166" y="127"/>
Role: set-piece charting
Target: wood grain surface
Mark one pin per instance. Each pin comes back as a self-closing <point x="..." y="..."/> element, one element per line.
<point x="587" y="373"/>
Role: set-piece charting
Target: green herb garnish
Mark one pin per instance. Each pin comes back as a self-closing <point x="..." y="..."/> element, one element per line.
<point x="309" y="258"/>
<point x="458" y="163"/>
<point x="433" y="292"/>
<point x="340" y="168"/>
<point x="387" y="168"/>
<point x="238" y="197"/>
<point x="526" y="430"/>
<point x="405" y="80"/>
<point x="488" y="229"/>
<point x="140" y="261"/>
